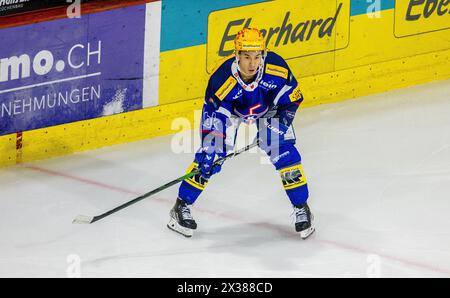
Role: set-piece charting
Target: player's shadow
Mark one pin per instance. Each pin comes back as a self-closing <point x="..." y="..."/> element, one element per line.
<point x="277" y="247"/>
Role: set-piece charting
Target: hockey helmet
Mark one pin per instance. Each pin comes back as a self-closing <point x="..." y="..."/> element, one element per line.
<point x="249" y="39"/>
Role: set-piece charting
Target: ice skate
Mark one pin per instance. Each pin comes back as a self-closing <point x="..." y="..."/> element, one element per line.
<point x="304" y="220"/>
<point x="181" y="220"/>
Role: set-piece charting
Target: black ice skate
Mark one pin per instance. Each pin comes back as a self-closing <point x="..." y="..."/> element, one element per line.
<point x="304" y="220"/>
<point x="181" y="220"/>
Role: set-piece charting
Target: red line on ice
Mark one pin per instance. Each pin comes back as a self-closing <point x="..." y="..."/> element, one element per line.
<point x="239" y="219"/>
<point x="83" y="180"/>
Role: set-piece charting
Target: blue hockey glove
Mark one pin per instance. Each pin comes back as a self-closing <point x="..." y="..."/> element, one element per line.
<point x="205" y="159"/>
<point x="270" y="133"/>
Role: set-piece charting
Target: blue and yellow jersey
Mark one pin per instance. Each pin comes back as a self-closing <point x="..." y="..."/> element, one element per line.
<point x="277" y="94"/>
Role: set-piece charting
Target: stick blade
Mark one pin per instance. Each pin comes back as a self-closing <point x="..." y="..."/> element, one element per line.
<point x="83" y="219"/>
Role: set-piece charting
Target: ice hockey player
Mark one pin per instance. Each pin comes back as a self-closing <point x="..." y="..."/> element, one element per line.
<point x="251" y="86"/>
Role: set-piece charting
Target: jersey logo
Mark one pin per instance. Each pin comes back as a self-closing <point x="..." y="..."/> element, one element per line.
<point x="226" y="88"/>
<point x="268" y="85"/>
<point x="239" y="94"/>
<point x="251" y="116"/>
<point x="277" y="71"/>
<point x="293" y="177"/>
<point x="296" y="94"/>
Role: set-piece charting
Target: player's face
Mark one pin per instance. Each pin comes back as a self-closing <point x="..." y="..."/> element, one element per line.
<point x="249" y="62"/>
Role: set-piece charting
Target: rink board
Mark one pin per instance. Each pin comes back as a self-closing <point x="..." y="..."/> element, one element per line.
<point x="76" y="69"/>
<point x="363" y="53"/>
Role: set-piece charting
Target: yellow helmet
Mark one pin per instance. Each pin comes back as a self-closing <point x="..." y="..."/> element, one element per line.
<point x="249" y="39"/>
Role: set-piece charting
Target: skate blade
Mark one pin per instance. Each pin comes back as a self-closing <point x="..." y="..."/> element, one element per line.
<point x="309" y="231"/>
<point x="175" y="226"/>
<point x="306" y="233"/>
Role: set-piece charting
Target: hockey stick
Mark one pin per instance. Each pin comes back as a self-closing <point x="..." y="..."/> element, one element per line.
<point x="83" y="219"/>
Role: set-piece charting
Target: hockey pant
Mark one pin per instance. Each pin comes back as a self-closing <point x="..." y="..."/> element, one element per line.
<point x="285" y="158"/>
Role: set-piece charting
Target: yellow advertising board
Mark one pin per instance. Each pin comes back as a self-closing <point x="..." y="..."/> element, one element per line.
<point x="421" y="16"/>
<point x="335" y="48"/>
<point x="293" y="29"/>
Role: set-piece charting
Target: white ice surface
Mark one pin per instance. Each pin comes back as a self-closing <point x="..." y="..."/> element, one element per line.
<point x="379" y="179"/>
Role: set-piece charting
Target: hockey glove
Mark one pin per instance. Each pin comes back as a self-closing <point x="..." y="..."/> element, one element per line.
<point x="270" y="133"/>
<point x="205" y="159"/>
